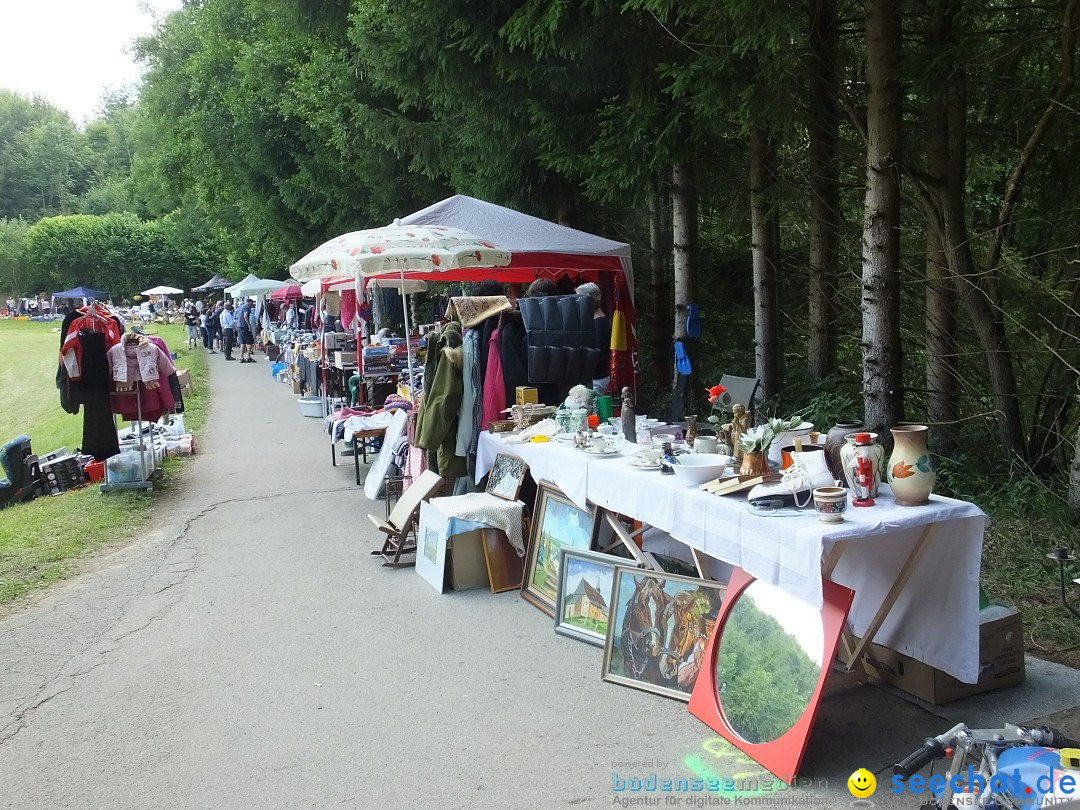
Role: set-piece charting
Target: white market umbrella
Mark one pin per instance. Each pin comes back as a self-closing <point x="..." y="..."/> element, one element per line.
<point x="162" y="290"/>
<point x="399" y="250"/>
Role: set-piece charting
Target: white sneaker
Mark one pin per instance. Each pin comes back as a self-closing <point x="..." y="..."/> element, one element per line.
<point x="797" y="483"/>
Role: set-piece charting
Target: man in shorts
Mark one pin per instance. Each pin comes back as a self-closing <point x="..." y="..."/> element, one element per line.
<point x="243" y="327"/>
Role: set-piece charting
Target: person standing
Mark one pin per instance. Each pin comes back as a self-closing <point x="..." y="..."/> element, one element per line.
<point x="228" y="330"/>
<point x="243" y="330"/>
<point x="216" y="335"/>
<point x="11" y="307"/>
<point x="292" y="320"/>
<point x="602" y="325"/>
<point x="191" y="325"/>
<point x="204" y="329"/>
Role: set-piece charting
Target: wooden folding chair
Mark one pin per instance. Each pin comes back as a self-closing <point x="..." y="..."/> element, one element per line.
<point x="402" y="521"/>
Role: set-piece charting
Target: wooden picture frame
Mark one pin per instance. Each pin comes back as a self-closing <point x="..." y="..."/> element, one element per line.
<point x="557" y="523"/>
<point x="505" y="568"/>
<point x="583" y="599"/>
<point x="506" y="476"/>
<point x="658" y="626"/>
<point x="755" y="620"/>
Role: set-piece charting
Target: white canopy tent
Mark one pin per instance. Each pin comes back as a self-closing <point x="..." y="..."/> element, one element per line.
<point x="254" y="286"/>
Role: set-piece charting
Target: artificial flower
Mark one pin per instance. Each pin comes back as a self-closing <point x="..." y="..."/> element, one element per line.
<point x="716" y="392"/>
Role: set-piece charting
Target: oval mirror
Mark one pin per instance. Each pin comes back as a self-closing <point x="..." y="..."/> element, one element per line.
<point x="768" y="661"/>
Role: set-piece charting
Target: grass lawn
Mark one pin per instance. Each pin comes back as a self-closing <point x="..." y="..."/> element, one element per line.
<point x="41" y="541"/>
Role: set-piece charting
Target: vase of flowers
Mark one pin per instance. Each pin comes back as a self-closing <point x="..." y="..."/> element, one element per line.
<point x="755" y="444"/>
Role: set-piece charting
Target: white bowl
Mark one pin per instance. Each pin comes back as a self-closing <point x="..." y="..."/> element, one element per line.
<point x="695" y="469"/>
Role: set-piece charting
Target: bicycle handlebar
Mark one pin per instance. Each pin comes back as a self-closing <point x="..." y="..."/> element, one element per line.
<point x="934" y="747"/>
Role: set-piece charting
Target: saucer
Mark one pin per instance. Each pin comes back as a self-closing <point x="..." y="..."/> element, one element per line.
<point x="567" y="438"/>
<point x="592" y="451"/>
<point x="640" y="464"/>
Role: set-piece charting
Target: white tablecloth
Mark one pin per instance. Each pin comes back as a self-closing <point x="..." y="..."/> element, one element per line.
<point x="935" y="619"/>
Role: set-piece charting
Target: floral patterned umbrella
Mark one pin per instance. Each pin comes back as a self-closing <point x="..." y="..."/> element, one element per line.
<point x="399" y="249"/>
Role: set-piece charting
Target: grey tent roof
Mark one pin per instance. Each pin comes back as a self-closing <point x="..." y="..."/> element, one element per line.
<point x="216" y="283"/>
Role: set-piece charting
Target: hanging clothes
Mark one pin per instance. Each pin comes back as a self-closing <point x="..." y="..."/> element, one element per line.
<point x="86" y="335"/>
<point x="494" y="386"/>
<point x="512" y="354"/>
<point x="436" y="426"/>
<point x="470" y="392"/>
<point x="348" y="310"/>
<point x="144" y="381"/>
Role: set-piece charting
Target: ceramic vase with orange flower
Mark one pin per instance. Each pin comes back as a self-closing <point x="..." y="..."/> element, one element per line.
<point x="910" y="474"/>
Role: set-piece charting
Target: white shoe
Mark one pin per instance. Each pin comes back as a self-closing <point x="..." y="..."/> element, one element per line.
<point x="797" y="483"/>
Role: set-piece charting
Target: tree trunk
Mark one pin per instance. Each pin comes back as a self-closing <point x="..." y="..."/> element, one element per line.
<point x="765" y="243"/>
<point x="979" y="291"/>
<point x="942" y="382"/>
<point x="658" y="299"/>
<point x="684" y="231"/>
<point x="824" y="186"/>
<point x="1074" y="477"/>
<point x="883" y="400"/>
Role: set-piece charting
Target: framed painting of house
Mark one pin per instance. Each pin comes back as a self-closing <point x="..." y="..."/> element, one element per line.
<point x="583" y="597"/>
<point x="557" y="523"/>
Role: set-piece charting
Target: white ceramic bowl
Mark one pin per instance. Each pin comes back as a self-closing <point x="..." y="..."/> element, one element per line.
<point x="695" y="469"/>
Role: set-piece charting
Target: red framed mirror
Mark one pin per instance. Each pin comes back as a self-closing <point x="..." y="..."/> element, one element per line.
<point x="765" y="669"/>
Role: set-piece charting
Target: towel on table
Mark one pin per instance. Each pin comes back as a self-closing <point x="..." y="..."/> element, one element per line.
<point x="481" y="507"/>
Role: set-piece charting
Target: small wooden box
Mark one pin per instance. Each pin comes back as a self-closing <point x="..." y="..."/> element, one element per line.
<point x="527" y="395"/>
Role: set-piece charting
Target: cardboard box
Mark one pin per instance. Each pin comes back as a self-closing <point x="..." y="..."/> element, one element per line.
<point x="183" y="376"/>
<point x="527" y="395"/>
<point x="468" y="570"/>
<point x="345" y="359"/>
<point x="1001" y="663"/>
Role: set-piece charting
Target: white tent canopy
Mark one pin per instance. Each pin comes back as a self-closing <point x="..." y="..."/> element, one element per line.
<point x="253" y="285"/>
<point x="162" y="290"/>
<point x="537" y="247"/>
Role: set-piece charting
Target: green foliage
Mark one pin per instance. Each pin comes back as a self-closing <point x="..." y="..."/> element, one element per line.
<point x="117" y="253"/>
<point x="764" y="677"/>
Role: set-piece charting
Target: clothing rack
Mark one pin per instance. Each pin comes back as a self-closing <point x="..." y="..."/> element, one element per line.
<point x="150" y="470"/>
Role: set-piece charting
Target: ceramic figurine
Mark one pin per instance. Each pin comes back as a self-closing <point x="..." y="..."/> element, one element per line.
<point x="740" y="424"/>
<point x="629" y="421"/>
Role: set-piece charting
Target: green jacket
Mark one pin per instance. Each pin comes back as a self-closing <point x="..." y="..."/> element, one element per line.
<point x="436" y="423"/>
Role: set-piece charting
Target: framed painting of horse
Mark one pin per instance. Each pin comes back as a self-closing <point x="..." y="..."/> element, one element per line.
<point x="658" y="629"/>
<point x="557" y="523"/>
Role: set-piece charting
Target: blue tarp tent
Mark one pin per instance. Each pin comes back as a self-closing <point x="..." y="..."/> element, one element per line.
<point x="82" y="292"/>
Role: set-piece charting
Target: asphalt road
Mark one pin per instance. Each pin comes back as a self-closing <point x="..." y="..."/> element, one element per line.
<point x="247" y="652"/>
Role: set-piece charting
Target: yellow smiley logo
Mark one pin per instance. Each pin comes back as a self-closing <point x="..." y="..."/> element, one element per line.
<point x="862" y="784"/>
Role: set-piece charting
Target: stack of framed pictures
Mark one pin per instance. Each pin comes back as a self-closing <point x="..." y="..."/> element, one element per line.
<point x="653" y="626"/>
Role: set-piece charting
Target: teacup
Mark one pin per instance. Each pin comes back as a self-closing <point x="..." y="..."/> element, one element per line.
<point x="650" y="455"/>
<point x="600" y="444"/>
<point x="830" y="504"/>
<point x="658" y="439"/>
<point x="606" y="430"/>
<point x="705" y="444"/>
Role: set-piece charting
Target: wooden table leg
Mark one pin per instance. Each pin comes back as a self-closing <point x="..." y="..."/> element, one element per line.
<point x="906" y="570"/>
<point x="627" y="539"/>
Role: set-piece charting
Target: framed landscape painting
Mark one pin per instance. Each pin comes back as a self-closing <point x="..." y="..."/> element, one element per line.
<point x="557" y="523"/>
<point x="583" y="598"/>
<point x="659" y="626"/>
